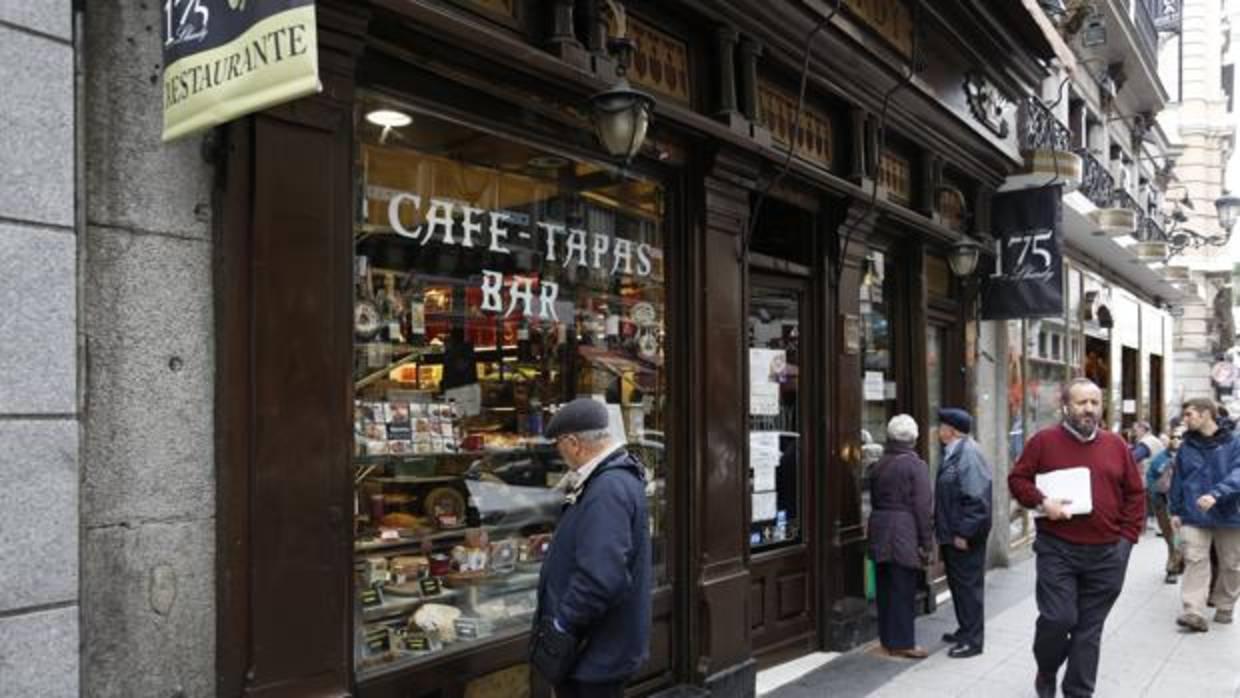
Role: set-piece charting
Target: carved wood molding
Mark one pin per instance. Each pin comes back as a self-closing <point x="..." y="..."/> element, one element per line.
<point x="777" y="111"/>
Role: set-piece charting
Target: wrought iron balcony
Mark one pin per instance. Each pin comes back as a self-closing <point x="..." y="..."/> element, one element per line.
<point x="1151" y="230"/>
<point x="1120" y="198"/>
<point x="1166" y="14"/>
<point x="1147" y="33"/>
<point x="1097" y="184"/>
<point x="1039" y="129"/>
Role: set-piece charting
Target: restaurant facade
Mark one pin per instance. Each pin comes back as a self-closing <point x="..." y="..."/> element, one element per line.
<point x="415" y="267"/>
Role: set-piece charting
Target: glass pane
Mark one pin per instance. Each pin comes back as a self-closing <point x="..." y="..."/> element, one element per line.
<point x="774" y="416"/>
<point x="493" y="282"/>
<point x="879" y="390"/>
<point x="936" y="338"/>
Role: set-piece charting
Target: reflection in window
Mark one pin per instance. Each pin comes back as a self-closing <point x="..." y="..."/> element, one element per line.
<point x="492" y="283"/>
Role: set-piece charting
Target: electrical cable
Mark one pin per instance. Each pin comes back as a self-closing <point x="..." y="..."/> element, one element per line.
<point x="793" y="137"/>
<point x="882" y="141"/>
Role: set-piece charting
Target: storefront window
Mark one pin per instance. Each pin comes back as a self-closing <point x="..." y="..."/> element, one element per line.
<point x="493" y="283"/>
<point x="878" y="381"/>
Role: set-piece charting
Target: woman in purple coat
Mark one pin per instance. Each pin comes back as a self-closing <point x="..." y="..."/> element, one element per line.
<point x="900" y="533"/>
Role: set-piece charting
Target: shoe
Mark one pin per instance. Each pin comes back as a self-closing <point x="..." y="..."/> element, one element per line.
<point x="1044" y="686"/>
<point x="1221" y="616"/>
<point x="909" y="653"/>
<point x="950" y="638"/>
<point x="1171" y="578"/>
<point x="1193" y="622"/>
<point x="963" y="651"/>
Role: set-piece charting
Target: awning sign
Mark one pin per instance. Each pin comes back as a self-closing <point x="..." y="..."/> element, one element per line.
<point x="227" y="58"/>
<point x="1027" y="280"/>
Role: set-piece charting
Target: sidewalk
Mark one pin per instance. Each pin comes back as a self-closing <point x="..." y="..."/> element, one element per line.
<point x="1143" y="651"/>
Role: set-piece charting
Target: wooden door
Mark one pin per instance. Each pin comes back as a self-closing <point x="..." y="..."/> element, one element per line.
<point x="781" y="457"/>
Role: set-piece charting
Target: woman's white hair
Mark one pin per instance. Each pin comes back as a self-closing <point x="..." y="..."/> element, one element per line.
<point x="902" y="428"/>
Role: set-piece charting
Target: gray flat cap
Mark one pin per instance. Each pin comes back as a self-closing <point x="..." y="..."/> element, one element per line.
<point x="582" y="414"/>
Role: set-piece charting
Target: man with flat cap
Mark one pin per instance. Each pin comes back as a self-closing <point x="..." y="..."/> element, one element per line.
<point x="962" y="523"/>
<point x="592" y="626"/>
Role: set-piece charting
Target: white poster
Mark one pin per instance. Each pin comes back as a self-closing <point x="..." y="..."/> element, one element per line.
<point x="766" y="369"/>
<point x="763" y="449"/>
<point x="873" y="386"/>
<point x="763" y="506"/>
<point x="763" y="478"/>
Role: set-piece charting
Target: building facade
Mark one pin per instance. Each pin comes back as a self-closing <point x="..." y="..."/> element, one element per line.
<point x="320" y="342"/>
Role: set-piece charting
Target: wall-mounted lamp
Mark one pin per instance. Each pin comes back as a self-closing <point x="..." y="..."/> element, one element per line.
<point x="621" y="114"/>
<point x="1226" y="207"/>
<point x="963" y="257"/>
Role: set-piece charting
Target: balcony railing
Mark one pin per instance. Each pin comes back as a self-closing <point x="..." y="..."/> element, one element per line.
<point x="1122" y="199"/>
<point x="1151" y="230"/>
<point x="1097" y="184"/>
<point x="1165" y="13"/>
<point x="1039" y="129"/>
<point x="1147" y="33"/>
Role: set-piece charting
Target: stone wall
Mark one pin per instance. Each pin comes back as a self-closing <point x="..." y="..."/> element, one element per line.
<point x="39" y="461"/>
<point x="148" y="486"/>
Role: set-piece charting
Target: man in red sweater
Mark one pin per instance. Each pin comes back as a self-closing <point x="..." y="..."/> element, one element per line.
<point x="1081" y="559"/>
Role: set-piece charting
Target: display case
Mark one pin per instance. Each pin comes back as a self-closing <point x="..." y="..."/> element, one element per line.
<point x="493" y="283"/>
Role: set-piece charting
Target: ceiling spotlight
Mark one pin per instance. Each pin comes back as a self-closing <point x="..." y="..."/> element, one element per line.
<point x="388" y="118"/>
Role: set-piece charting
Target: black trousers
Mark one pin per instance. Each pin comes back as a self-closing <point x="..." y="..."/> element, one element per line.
<point x="1076" y="587"/>
<point x="578" y="689"/>
<point x="896" y="591"/>
<point x="966" y="577"/>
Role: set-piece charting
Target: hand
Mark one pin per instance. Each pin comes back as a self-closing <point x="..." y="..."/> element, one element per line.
<point x="960" y="543"/>
<point x="1056" y="509"/>
<point x="1176" y="522"/>
<point x="1206" y="502"/>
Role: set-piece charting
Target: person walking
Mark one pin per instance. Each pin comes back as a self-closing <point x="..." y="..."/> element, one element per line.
<point x="1157" y="484"/>
<point x="1205" y="507"/>
<point x="900" y="535"/>
<point x="1081" y="561"/>
<point x="592" y="623"/>
<point x="962" y="504"/>
<point x="1146" y="445"/>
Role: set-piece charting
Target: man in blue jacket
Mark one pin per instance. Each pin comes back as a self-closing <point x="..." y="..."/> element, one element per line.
<point x="962" y="497"/>
<point x="1205" y="506"/>
<point x="595" y="584"/>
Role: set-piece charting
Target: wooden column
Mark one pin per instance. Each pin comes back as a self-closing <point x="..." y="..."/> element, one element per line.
<point x="727" y="106"/>
<point x="284" y="280"/>
<point x="563" y="42"/>
<point x="846" y="610"/>
<point x="721" y="640"/>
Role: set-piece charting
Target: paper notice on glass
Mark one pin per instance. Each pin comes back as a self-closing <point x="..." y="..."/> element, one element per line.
<point x="763" y="478"/>
<point x="763" y="448"/>
<point x="766" y="367"/>
<point x="1072" y="484"/>
<point x="873" y="386"/>
<point x="1130" y="406"/>
<point x="763" y="506"/>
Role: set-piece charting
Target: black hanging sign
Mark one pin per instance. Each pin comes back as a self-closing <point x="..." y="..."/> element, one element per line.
<point x="227" y="58"/>
<point x="1027" y="279"/>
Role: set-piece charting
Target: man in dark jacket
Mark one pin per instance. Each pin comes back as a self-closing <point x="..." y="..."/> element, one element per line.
<point x="595" y="584"/>
<point x="1204" y="502"/>
<point x="962" y="496"/>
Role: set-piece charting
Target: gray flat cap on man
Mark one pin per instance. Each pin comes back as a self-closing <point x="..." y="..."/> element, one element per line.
<point x="582" y="414"/>
<point x="957" y="418"/>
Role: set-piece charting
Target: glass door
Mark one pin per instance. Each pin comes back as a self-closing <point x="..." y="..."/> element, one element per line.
<point x="783" y="588"/>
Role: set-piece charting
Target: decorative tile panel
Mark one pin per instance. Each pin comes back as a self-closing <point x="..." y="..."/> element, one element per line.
<point x="777" y="110"/>
<point x="661" y="61"/>
<point x="895" y="174"/>
<point x="890" y="19"/>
